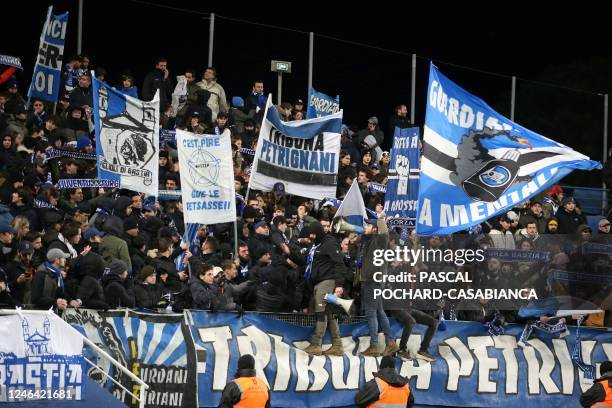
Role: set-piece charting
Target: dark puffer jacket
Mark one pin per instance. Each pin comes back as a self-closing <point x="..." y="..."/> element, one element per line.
<point x="148" y="296"/>
<point x="118" y="293"/>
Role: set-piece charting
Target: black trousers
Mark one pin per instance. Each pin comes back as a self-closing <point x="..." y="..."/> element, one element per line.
<point x="408" y="318"/>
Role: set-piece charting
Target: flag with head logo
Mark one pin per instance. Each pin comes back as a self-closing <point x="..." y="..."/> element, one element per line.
<point x="477" y="163"/>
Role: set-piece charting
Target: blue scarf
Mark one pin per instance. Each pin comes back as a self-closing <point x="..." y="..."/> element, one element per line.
<point x="57" y="273"/>
<point x="309" y="259"/>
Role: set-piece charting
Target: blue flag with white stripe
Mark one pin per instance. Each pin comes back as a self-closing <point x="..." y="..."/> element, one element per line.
<point x="320" y="104"/>
<point x="48" y="69"/>
<point x="127" y="138"/>
<point x="403" y="182"/>
<point x="190" y="237"/>
<point x="477" y="163"/>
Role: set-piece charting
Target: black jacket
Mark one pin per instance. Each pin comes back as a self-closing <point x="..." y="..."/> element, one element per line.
<point x="205" y="296"/>
<point x="569" y="222"/>
<point x="147" y="296"/>
<point x="153" y="81"/>
<point x="91" y="293"/>
<point x="45" y="290"/>
<point x="231" y="393"/>
<point x="596" y="393"/>
<point x="328" y="262"/>
<point x="370" y="393"/>
<point x="118" y="293"/>
<point x="81" y="97"/>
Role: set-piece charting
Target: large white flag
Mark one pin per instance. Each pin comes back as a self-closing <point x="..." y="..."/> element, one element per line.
<point x="353" y="208"/>
<point x="207" y="177"/>
<point x="302" y="154"/>
<point x="127" y="138"/>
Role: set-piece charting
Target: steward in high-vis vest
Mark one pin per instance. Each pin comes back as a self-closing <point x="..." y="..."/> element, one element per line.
<point x="600" y="394"/>
<point x="387" y="389"/>
<point x="246" y="390"/>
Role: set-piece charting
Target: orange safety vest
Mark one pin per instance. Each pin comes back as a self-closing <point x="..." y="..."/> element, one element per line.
<point x="608" y="401"/>
<point x="390" y="397"/>
<point x="254" y="392"/>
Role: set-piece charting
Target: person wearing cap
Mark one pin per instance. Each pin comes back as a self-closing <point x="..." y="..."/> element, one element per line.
<point x="237" y="115"/>
<point x="118" y="288"/>
<point x="603" y="232"/>
<point x="261" y="239"/>
<point x="246" y="390"/>
<point x="387" y="389"/>
<point x="373" y="129"/>
<point x="280" y="240"/>
<point x="147" y="291"/>
<point x="20" y="272"/>
<point x="501" y="236"/>
<point x="48" y="282"/>
<point x="535" y="214"/>
<point x="600" y="394"/>
<point x="195" y="125"/>
<point x="7" y="235"/>
<point x="217" y="101"/>
<point x="569" y="216"/>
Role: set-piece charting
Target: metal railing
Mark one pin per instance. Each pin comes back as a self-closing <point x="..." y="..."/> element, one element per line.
<point x="143" y="386"/>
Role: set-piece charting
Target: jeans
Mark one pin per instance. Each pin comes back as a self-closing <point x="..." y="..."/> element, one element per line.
<point x="376" y="317"/>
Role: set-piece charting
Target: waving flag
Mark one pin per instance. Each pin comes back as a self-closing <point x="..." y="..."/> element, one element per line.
<point x="353" y="209"/>
<point x="302" y="154"/>
<point x="320" y="104"/>
<point x="477" y="164"/>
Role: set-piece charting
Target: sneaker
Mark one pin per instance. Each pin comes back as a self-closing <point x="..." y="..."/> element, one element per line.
<point x="391" y="348"/>
<point x="404" y="355"/>
<point x="424" y="355"/>
<point x="372" y="351"/>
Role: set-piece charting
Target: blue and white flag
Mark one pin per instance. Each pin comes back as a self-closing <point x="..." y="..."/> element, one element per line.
<point x="353" y="209"/>
<point x="320" y="104"/>
<point x="127" y="138"/>
<point x="48" y="69"/>
<point x="403" y="181"/>
<point x="207" y="177"/>
<point x="302" y="154"/>
<point x="38" y="352"/>
<point x="190" y="237"/>
<point x="477" y="164"/>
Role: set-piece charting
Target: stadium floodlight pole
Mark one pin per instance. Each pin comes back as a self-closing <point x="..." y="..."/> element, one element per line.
<point x="211" y="38"/>
<point x="605" y="151"/>
<point x="413" y="89"/>
<point x="512" y="98"/>
<point x="80" y="29"/>
<point x="310" y="58"/>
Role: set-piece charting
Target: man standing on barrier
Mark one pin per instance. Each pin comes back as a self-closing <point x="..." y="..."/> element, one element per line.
<point x="325" y="269"/>
<point x="386" y="389"/>
<point x="246" y="390"/>
<point x="375" y="237"/>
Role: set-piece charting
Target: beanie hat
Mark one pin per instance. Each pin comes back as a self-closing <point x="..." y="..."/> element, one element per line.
<point x="387" y="362"/>
<point x="238" y="102"/>
<point x="117" y="267"/>
<point x="246" y="362"/>
<point x="145" y="272"/>
<point x="83" y="141"/>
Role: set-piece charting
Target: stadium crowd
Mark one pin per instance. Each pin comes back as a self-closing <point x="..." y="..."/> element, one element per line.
<point x="108" y="248"/>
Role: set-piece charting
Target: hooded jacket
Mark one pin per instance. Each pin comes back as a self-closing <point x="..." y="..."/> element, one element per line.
<point x="117" y="292"/>
<point x="147" y="295"/>
<point x="370" y="392"/>
<point x="201" y="106"/>
<point x="89" y="270"/>
<point x="328" y="260"/>
<point x="112" y="246"/>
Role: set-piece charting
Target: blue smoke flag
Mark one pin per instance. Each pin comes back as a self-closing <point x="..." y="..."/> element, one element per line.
<point x="127" y="138"/>
<point x="353" y="209"/>
<point x="403" y="182"/>
<point x="320" y="104"/>
<point x="48" y="69"/>
<point x="477" y="163"/>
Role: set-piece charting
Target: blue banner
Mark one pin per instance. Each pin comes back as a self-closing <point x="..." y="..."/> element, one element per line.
<point x="48" y="69"/>
<point x="155" y="347"/>
<point x="320" y="104"/>
<point x="477" y="164"/>
<point x="472" y="367"/>
<point x="403" y="181"/>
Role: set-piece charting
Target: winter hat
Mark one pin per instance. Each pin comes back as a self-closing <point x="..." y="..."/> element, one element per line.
<point x="238" y="102"/>
<point x="145" y="272"/>
<point x="567" y="200"/>
<point x="117" y="267"/>
<point x="83" y="142"/>
<point x="246" y="362"/>
<point x="130" y="223"/>
<point x="387" y="362"/>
